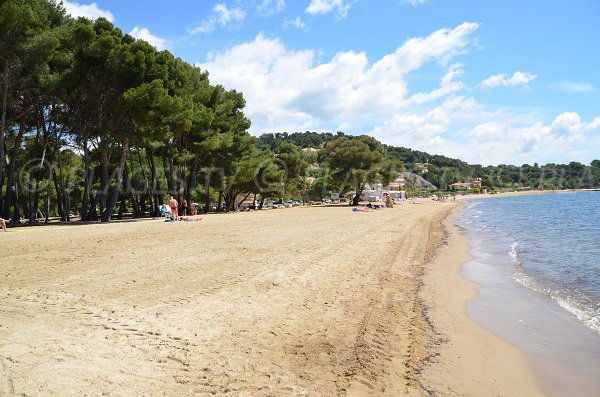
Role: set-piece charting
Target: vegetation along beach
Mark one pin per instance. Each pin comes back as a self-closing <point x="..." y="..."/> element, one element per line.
<point x="309" y="198"/>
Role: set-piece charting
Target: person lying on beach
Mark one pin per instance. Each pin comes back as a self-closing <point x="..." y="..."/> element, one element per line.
<point x="185" y="219"/>
<point x="3" y="223"/>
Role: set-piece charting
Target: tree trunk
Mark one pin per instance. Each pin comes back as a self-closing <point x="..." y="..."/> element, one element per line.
<point x="128" y="188"/>
<point x="11" y="170"/>
<point x="2" y="132"/>
<point x="107" y="213"/>
<point x="239" y="203"/>
<point x="31" y="194"/>
<point x="122" y="208"/>
<point x="192" y="182"/>
<point x="63" y="194"/>
<point x="207" y="191"/>
<point x="168" y="170"/>
<point x="88" y="181"/>
<point x="146" y="190"/>
<point x="59" y="201"/>
<point x="127" y="192"/>
<point x="104" y="183"/>
<point x="92" y="214"/>
<point x="16" y="218"/>
<point x="155" y="184"/>
<point x="358" y="193"/>
<point x="92" y="198"/>
<point x="220" y="201"/>
<point x="47" y="215"/>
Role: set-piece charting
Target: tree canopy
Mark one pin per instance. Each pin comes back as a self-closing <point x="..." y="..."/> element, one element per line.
<point x="144" y="123"/>
<point x="358" y="160"/>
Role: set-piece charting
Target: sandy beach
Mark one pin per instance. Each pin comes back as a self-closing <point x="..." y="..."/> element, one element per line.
<point x="294" y="302"/>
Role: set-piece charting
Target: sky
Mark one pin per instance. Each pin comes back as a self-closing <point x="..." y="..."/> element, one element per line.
<point x="488" y="82"/>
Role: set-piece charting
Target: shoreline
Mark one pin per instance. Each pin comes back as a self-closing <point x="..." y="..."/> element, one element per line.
<point x="343" y="303"/>
<point x="472" y="360"/>
<point x="521" y="193"/>
<point x="556" y="342"/>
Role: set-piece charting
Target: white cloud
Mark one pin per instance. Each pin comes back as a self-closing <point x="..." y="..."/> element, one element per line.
<point x="574" y="87"/>
<point x="414" y="3"/>
<point x="495" y="141"/>
<point x="296" y="23"/>
<point x="270" y="7"/>
<point x="508" y="81"/>
<point x="284" y="87"/>
<point x="221" y="18"/>
<point x="341" y="7"/>
<point x="427" y="130"/>
<point x="565" y="139"/>
<point x="144" y="34"/>
<point x="287" y="90"/>
<point x="448" y="85"/>
<point x="90" y="11"/>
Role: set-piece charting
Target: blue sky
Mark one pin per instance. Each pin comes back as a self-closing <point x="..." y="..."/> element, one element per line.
<point x="488" y="82"/>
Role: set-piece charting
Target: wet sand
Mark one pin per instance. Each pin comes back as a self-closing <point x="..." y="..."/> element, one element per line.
<point x="302" y="302"/>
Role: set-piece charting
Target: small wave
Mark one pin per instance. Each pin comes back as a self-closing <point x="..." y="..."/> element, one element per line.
<point x="529" y="282"/>
<point x="584" y="312"/>
<point x="514" y="256"/>
<point x="472" y="204"/>
<point x="591" y="320"/>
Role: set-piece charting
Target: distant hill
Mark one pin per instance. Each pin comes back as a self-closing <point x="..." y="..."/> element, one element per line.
<point x="442" y="171"/>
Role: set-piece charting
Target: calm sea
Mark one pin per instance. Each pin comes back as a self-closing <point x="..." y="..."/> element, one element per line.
<point x="537" y="259"/>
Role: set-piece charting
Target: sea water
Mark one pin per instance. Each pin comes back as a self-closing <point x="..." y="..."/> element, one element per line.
<point x="537" y="260"/>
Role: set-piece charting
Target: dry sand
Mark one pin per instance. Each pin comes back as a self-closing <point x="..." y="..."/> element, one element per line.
<point x="301" y="302"/>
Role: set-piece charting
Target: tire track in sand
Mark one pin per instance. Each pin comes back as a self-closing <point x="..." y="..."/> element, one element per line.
<point x="395" y="337"/>
<point x="6" y="385"/>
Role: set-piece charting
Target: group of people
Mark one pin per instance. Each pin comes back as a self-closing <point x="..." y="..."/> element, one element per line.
<point x="173" y="208"/>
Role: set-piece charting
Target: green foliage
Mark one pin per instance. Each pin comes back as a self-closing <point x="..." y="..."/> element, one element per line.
<point x="442" y="171"/>
<point x="143" y="122"/>
<point x="357" y="160"/>
<point x="303" y="140"/>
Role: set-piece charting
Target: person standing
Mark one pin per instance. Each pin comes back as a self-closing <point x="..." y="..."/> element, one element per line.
<point x="184" y="206"/>
<point x="174" y="208"/>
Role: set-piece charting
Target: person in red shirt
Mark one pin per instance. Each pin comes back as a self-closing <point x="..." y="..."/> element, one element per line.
<point x="184" y="206"/>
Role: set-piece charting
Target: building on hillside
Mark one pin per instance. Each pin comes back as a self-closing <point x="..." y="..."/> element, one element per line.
<point x="397" y="183"/>
<point x="475" y="183"/>
<point x="422" y="167"/>
<point x="460" y="186"/>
